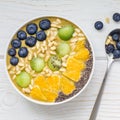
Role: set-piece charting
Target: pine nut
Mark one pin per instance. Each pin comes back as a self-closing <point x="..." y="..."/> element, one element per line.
<point x="77" y="30"/>
<point x="14" y="76"/>
<point x="18" y="72"/>
<point x="64" y="64"/>
<point x="74" y="34"/>
<point x="12" y="72"/>
<point x="58" y="20"/>
<point x="81" y="35"/>
<point x="53" y="48"/>
<point x="53" y="52"/>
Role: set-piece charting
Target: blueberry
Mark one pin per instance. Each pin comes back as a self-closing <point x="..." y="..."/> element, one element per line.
<point x="41" y="35"/>
<point x="45" y="24"/>
<point x="23" y="52"/>
<point x="14" y="61"/>
<point x="31" y="28"/>
<point x="30" y="41"/>
<point x="21" y="35"/>
<point x="118" y="45"/>
<point x="16" y="43"/>
<point x="109" y="48"/>
<point x="116" y="54"/>
<point x="98" y="25"/>
<point x="116" y="17"/>
<point x="12" y="52"/>
<point x="115" y="37"/>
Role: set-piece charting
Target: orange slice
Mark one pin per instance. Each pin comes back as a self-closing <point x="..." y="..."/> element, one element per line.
<point x="73" y="75"/>
<point x="82" y="54"/>
<point x="75" y="65"/>
<point x="42" y="82"/>
<point x="67" y="86"/>
<point x="80" y="44"/>
<point x="50" y="95"/>
<point x="37" y="94"/>
<point x="54" y="83"/>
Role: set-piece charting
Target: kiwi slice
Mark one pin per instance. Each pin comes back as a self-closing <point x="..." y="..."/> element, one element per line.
<point x="23" y="79"/>
<point x="63" y="49"/>
<point x="37" y="64"/>
<point x="54" y="63"/>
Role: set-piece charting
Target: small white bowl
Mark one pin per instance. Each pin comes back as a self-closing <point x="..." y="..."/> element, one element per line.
<point x="50" y="103"/>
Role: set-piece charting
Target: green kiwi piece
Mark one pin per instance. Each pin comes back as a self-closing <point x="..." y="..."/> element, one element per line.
<point x="54" y="63"/>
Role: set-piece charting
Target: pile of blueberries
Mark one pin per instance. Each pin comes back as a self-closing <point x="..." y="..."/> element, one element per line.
<point x="99" y="25"/>
<point x="110" y="48"/>
<point x="30" y="40"/>
<point x="114" y="49"/>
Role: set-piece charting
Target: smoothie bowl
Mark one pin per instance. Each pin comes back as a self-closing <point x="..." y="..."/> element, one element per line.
<point x="49" y="60"/>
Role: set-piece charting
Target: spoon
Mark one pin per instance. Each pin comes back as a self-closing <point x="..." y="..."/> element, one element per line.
<point x="110" y="60"/>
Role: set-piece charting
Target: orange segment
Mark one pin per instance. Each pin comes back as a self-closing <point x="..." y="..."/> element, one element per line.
<point x="82" y="54"/>
<point x="75" y="65"/>
<point x="67" y="86"/>
<point x="80" y="44"/>
<point x="54" y="82"/>
<point x="42" y="82"/>
<point x="36" y="93"/>
<point x="73" y="75"/>
<point x="50" y="95"/>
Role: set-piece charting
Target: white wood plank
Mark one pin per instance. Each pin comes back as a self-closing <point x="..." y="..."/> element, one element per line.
<point x="110" y="105"/>
<point x="12" y="104"/>
<point x="14" y="13"/>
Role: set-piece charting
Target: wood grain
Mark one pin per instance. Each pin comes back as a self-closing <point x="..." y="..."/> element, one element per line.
<point x="15" y="13"/>
<point x="79" y="108"/>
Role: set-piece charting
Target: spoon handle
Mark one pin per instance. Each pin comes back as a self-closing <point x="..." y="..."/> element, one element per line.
<point x="99" y="97"/>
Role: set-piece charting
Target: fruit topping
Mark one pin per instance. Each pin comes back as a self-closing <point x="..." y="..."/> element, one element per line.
<point x="80" y="44"/>
<point x="31" y="28"/>
<point x="115" y="37"/>
<point x="23" y="52"/>
<point x="54" y="83"/>
<point x="41" y="35"/>
<point x="118" y="45"/>
<point x="42" y="82"/>
<point x="54" y="63"/>
<point x="46" y="89"/>
<point x="73" y="75"/>
<point x="45" y="24"/>
<point x="14" y="61"/>
<point x="73" y="64"/>
<point x="116" y="17"/>
<point x="16" y="43"/>
<point x="37" y="94"/>
<point x="12" y="52"/>
<point x="37" y="64"/>
<point x="74" y="69"/>
<point x="109" y="48"/>
<point x="30" y="41"/>
<point x="67" y="86"/>
<point x="23" y="79"/>
<point x="63" y="49"/>
<point x="21" y="35"/>
<point x="66" y="32"/>
<point x="98" y="25"/>
<point x="82" y="54"/>
<point x="116" y="54"/>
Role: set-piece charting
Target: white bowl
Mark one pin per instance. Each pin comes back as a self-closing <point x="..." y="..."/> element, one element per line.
<point x="50" y="103"/>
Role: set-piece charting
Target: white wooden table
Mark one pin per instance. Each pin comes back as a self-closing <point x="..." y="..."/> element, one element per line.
<point x="14" y="13"/>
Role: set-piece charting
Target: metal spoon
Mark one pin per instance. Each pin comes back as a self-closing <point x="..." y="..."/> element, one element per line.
<point x="110" y="60"/>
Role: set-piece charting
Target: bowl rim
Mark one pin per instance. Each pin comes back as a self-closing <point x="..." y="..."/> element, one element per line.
<point x="50" y="103"/>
